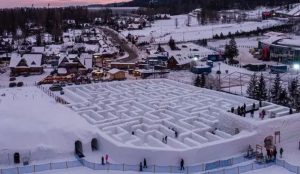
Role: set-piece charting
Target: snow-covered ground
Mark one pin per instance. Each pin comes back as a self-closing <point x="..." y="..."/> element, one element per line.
<point x="163" y="30"/>
<point x="28" y="81"/>
<point x="150" y="109"/>
<point x="37" y="127"/>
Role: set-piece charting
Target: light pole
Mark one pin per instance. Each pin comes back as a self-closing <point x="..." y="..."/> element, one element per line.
<point x="296" y="67"/>
<point x="219" y="72"/>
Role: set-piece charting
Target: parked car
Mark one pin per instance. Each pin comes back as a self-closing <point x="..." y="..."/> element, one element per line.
<point x="20" y="84"/>
<point x="55" y="87"/>
<point x="12" y="79"/>
<point x="12" y="84"/>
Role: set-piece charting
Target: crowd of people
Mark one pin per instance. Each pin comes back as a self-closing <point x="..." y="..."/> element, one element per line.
<point x="242" y="111"/>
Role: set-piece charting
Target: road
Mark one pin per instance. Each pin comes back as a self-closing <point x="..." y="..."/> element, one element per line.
<point x="131" y="49"/>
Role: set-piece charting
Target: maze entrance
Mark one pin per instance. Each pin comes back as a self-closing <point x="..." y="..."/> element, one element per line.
<point x="94" y="144"/>
<point x="78" y="149"/>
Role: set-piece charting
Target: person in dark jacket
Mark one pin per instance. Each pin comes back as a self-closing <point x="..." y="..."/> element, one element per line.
<point x="141" y="166"/>
<point x="281" y="152"/>
<point x="275" y="153"/>
<point x="181" y="164"/>
<point x="102" y="160"/>
<point x="145" y="163"/>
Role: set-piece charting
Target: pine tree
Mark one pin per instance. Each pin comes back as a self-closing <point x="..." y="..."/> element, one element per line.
<point x="231" y="50"/>
<point x="283" y="98"/>
<point x="38" y="39"/>
<point x="252" y="87"/>
<point x="276" y="90"/>
<point x="262" y="90"/>
<point x="293" y="90"/>
<point x="159" y="48"/>
<point x="172" y="44"/>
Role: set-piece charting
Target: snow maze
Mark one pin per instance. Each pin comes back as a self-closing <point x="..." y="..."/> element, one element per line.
<point x="143" y="113"/>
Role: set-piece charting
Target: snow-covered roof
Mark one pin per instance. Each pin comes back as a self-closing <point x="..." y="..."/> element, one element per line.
<point x="114" y="71"/>
<point x="30" y="60"/>
<point x="181" y="60"/>
<point x="272" y="39"/>
<point x="87" y="60"/>
<point x="295" y="41"/>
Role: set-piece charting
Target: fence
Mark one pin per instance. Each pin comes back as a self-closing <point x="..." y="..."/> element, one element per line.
<point x="217" y="167"/>
<point x="51" y="94"/>
<point x="288" y="166"/>
<point x="123" y="167"/>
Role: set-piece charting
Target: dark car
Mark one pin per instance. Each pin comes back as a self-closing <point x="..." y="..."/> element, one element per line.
<point x="20" y="84"/>
<point x="12" y="79"/>
<point x="13" y="84"/>
<point x="55" y="88"/>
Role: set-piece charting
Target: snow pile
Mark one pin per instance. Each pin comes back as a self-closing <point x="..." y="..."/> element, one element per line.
<point x="35" y="125"/>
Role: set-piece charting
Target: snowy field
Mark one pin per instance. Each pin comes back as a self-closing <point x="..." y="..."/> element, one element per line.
<point x="37" y="127"/>
<point x="163" y="30"/>
<point x="28" y="81"/>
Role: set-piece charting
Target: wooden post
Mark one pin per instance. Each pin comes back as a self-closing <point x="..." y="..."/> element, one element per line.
<point x="187" y="169"/>
<point x="18" y="170"/>
<point x="238" y="169"/>
<point x="94" y="166"/>
<point x="33" y="168"/>
<point x="123" y="167"/>
<point x="154" y="169"/>
<point x="50" y="166"/>
<point x="67" y="164"/>
<point x="298" y="170"/>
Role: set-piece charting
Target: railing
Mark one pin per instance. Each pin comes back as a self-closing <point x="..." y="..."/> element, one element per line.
<point x="217" y="167"/>
<point x="123" y="167"/>
<point x="288" y="166"/>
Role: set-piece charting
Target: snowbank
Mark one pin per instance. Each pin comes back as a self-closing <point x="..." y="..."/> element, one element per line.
<point x="35" y="125"/>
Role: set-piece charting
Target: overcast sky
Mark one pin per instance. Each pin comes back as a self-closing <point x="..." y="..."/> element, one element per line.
<point x="38" y="3"/>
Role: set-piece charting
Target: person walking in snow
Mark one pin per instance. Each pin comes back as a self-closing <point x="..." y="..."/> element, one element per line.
<point x="141" y="167"/>
<point x="253" y="106"/>
<point x="181" y="164"/>
<point x="275" y="153"/>
<point x="145" y="163"/>
<point x="239" y="110"/>
<point x="252" y="113"/>
<point x="281" y="152"/>
<point x="232" y="110"/>
<point x="102" y="160"/>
